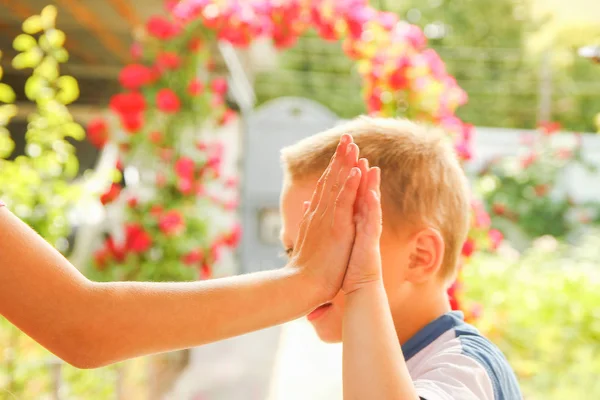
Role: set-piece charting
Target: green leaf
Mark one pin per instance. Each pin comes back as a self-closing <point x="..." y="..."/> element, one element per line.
<point x="56" y="38"/>
<point x="48" y="17"/>
<point x="24" y="42"/>
<point x="69" y="89"/>
<point x="33" y="24"/>
<point x="7" y="94"/>
<point x="74" y="130"/>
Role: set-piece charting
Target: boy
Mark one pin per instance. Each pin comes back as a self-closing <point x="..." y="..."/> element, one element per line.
<point x="400" y="338"/>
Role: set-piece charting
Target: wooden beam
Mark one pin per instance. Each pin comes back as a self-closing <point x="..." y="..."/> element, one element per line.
<point x="93" y="22"/>
<point x="23" y="11"/>
<point x="127" y="12"/>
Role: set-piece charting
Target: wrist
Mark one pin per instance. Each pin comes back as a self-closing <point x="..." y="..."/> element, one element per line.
<point x="373" y="285"/>
<point x="306" y="293"/>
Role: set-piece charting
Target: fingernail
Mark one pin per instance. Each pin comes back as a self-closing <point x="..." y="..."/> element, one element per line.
<point x="348" y="150"/>
<point x="353" y="172"/>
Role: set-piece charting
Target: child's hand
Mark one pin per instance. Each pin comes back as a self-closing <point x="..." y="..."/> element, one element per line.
<point x="364" y="266"/>
<point x="327" y="229"/>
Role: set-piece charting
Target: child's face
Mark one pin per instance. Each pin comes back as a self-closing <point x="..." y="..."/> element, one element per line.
<point x="394" y="253"/>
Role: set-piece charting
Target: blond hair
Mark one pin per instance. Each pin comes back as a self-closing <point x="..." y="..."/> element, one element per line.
<point x="422" y="181"/>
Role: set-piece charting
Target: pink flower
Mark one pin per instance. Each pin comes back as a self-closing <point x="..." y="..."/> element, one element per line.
<point x="219" y="86"/>
<point x="549" y="128"/>
<point x="528" y="160"/>
<point x="463" y="149"/>
<point x="185" y="167"/>
<point x="167" y="101"/>
<point x="171" y="223"/>
<point x="496" y="238"/>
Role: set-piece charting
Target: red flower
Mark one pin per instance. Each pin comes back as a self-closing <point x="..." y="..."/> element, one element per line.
<point x="132" y="122"/>
<point x="111" y="194"/>
<point x="100" y="258"/>
<point x="168" y="60"/>
<point x="468" y="247"/>
<point x="541" y="190"/>
<point x="231" y="182"/>
<point x="166" y="154"/>
<point x="132" y="202"/>
<point x="171" y="223"/>
<point x="233" y="238"/>
<point x="227" y="117"/>
<point x="498" y="208"/>
<point x="185" y="186"/>
<point x="161" y="28"/>
<point x="549" y="128"/>
<point x="128" y="103"/>
<point x="137" y="239"/>
<point x="528" y="160"/>
<point x="134" y="76"/>
<point x="167" y="101"/>
<point x="564" y="154"/>
<point x="155" y="137"/>
<point x="185" y="167"/>
<point x="205" y="271"/>
<point x="463" y="149"/>
<point x="156" y="210"/>
<point x="193" y="257"/>
<point x="195" y="87"/>
<point x="496" y="238"/>
<point x="97" y="131"/>
<point x="136" y="50"/>
<point x="194" y="45"/>
<point x="219" y="86"/>
<point x="118" y="252"/>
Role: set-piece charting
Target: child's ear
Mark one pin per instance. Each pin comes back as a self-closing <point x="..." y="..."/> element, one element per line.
<point x="426" y="256"/>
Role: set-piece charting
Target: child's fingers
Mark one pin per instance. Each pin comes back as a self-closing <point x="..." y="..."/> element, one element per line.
<point x="344" y="204"/>
<point x="373" y="201"/>
<point x="329" y="177"/>
<point x="363" y="164"/>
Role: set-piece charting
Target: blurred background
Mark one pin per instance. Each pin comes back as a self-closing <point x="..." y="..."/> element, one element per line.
<point x="142" y="138"/>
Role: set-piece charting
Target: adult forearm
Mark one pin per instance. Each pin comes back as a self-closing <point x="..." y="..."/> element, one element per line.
<point x="373" y="364"/>
<point x="132" y="318"/>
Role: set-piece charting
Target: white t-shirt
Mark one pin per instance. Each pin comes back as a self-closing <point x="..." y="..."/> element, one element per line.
<point x="450" y="360"/>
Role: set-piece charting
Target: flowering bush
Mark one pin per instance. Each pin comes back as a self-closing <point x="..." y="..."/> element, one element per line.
<point x="170" y="206"/>
<point x="526" y="191"/>
<point x="400" y="75"/>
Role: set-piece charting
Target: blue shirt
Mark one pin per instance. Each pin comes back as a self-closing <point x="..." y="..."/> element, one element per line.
<point x="450" y="360"/>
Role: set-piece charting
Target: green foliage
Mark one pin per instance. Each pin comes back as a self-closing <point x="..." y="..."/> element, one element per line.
<point x="542" y="311"/>
<point x="525" y="194"/>
<point x="37" y="183"/>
